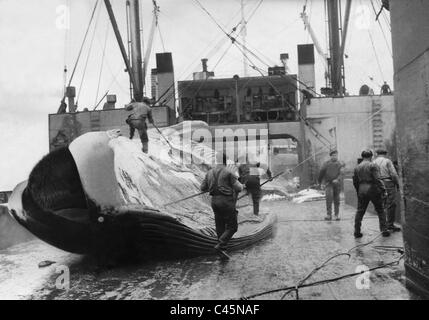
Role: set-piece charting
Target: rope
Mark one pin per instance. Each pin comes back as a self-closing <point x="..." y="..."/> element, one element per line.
<point x="254" y="11"/>
<point x="209" y="54"/>
<point x="87" y="58"/>
<point x="66" y="46"/>
<point x="218" y="45"/>
<point x="322" y="149"/>
<point x="326" y="281"/>
<point x="321" y="220"/>
<point x="374" y="50"/>
<point x="101" y="66"/>
<point x="238" y="44"/>
<point x="382" y="31"/>
<point x="300" y="283"/>
<point x="385" y="17"/>
<point x="160" y="37"/>
<point x="83" y="43"/>
<point x="316" y="133"/>
<point x="327" y="261"/>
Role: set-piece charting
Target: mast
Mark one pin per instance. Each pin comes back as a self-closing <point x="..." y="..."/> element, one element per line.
<point x="119" y="40"/>
<point x="334" y="47"/>
<point x="343" y="39"/>
<point x="136" y="51"/>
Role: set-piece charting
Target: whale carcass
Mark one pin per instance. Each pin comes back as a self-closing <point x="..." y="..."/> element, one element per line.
<point x="101" y="194"/>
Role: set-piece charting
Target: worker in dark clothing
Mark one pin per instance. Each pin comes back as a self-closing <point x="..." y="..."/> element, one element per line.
<point x="223" y="186"/>
<point x="330" y="177"/>
<point x="243" y="172"/>
<point x="253" y="185"/>
<point x="137" y="120"/>
<point x="369" y="187"/>
<point x="390" y="178"/>
<point x="385" y="89"/>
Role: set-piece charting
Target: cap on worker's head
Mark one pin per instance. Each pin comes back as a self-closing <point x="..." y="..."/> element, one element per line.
<point x="333" y="152"/>
<point x="381" y="151"/>
<point x="366" y="154"/>
<point x="133" y="100"/>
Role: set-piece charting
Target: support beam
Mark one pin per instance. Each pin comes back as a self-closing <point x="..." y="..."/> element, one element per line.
<point x="119" y="40"/>
<point x="334" y="44"/>
<point x="136" y="52"/>
<point x="344" y="37"/>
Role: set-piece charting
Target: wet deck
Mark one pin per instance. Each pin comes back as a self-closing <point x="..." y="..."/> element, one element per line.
<point x="302" y="242"/>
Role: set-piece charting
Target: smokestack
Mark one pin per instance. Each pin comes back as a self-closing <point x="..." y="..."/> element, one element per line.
<point x="165" y="81"/>
<point x="203" y="75"/>
<point x="306" y="72"/>
<point x="204" y="63"/>
<point x="284" y="57"/>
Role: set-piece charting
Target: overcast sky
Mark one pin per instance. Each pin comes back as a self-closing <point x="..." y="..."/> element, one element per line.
<point x="35" y="44"/>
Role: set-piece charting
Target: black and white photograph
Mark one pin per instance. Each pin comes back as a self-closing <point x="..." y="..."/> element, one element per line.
<point x="214" y="155"/>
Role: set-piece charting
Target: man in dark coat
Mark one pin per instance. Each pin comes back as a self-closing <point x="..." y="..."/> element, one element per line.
<point x="223" y="186"/>
<point x="369" y="188"/>
<point x="330" y="176"/>
<point x="390" y="178"/>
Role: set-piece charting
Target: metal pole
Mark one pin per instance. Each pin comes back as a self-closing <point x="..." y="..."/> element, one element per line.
<point x="136" y="52"/>
<point x="344" y="37"/>
<point x="334" y="40"/>
<point x="119" y="40"/>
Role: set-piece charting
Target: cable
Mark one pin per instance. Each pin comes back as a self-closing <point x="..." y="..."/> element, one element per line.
<point x="366" y="244"/>
<point x="316" y="133"/>
<point x="320" y="220"/>
<point x="237" y="43"/>
<point x="326" y="281"/>
<point x="66" y="46"/>
<point x="211" y="52"/>
<point x="374" y="50"/>
<point x="254" y="10"/>
<point x="228" y="35"/>
<point x="160" y="37"/>
<point x="301" y="282"/>
<point x="83" y="42"/>
<point x="382" y="31"/>
<point x="101" y="66"/>
<point x="87" y="58"/>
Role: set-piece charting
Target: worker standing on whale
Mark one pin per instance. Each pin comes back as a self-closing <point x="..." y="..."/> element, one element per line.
<point x="223" y="186"/>
<point x="137" y="120"/>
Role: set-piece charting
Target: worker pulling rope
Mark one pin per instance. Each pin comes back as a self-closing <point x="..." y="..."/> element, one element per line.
<point x="201" y="193"/>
